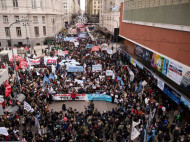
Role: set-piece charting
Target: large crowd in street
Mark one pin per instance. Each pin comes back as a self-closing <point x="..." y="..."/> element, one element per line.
<point x="135" y="102"/>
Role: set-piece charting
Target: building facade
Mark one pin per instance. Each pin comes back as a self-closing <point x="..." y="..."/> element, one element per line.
<point x="109" y="15"/>
<point x="45" y="20"/>
<point x="93" y="10"/>
<point x="157" y="34"/>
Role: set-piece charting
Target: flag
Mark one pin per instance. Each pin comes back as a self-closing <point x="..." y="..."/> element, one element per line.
<point x="119" y="79"/>
<point x="134" y="133"/>
<point x="3" y="131"/>
<point x="37" y="73"/>
<point x="51" y="76"/>
<point x="8" y="89"/>
<point x="46" y="79"/>
<point x="53" y="69"/>
<point x="27" y="107"/>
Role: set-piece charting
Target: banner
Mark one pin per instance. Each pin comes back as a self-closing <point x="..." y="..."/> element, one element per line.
<point x="96" y="68"/>
<point x="59" y="97"/>
<point x="185" y="102"/>
<point x="82" y="35"/>
<point x="99" y="97"/>
<point x="50" y="60"/>
<point x="109" y="51"/>
<point x="75" y="69"/>
<point x="95" y="48"/>
<point x="172" y="94"/>
<point x="27" y="107"/>
<point x="62" y="53"/>
<point x="8" y="89"/>
<point x="165" y="67"/>
<point x="160" y="84"/>
<point x="134" y="133"/>
<point x="23" y="65"/>
<point x="38" y="126"/>
<point x="32" y="62"/>
<point x="109" y="72"/>
<point x="3" y="131"/>
<point x="157" y="62"/>
<point x="175" y="72"/>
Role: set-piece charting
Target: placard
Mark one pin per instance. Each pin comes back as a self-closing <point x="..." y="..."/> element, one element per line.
<point x="109" y="72"/>
<point x="95" y="48"/>
<point x="96" y="68"/>
<point x="75" y="69"/>
<point x="32" y="62"/>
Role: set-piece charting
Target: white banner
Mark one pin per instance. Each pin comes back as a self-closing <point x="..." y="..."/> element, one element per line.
<point x="1" y="99"/>
<point x="160" y="84"/>
<point x="32" y="62"/>
<point x="96" y="68"/>
<point x="134" y="133"/>
<point x="38" y="126"/>
<point x="175" y="72"/>
<point x="27" y="107"/>
<point x="59" y="97"/>
<point x="3" y="131"/>
<point x="144" y="83"/>
<point x="109" y="72"/>
<point x="50" y="60"/>
<point x="62" y="53"/>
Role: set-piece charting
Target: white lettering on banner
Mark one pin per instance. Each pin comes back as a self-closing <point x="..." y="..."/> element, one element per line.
<point x="160" y="84"/>
<point x="59" y="97"/>
<point x="96" y="68"/>
<point x="109" y="72"/>
<point x="3" y="131"/>
<point x="50" y="60"/>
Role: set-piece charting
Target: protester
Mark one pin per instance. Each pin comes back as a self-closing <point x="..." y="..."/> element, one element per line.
<point x="135" y="102"/>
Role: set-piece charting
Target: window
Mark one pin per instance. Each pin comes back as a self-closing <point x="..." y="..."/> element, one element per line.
<point x="16" y="18"/>
<point x="94" y="2"/>
<point x="36" y="31"/>
<point x="15" y="3"/>
<point x="44" y="30"/>
<point x="94" y="11"/>
<point x="94" y="6"/>
<point x="35" y="18"/>
<point x="7" y="31"/>
<point x="18" y="31"/>
<point x="5" y="19"/>
<point x="3" y="4"/>
<point x="33" y="4"/>
<point x="43" y="19"/>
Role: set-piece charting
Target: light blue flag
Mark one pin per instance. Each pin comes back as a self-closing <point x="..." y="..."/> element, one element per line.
<point x="46" y="79"/>
<point x="51" y="76"/>
<point x="119" y="79"/>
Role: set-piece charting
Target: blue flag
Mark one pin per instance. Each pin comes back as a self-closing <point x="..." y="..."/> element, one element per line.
<point x="46" y="79"/>
<point x="51" y="76"/>
<point x="119" y="79"/>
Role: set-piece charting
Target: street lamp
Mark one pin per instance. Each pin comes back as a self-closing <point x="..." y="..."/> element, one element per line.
<point x="25" y="23"/>
<point x="18" y="21"/>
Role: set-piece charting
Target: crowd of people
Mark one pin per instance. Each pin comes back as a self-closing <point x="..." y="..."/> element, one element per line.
<point x="134" y="102"/>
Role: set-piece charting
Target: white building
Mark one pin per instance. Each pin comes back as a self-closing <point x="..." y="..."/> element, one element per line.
<point x="45" y="16"/>
<point x="77" y="7"/>
<point x="69" y="10"/>
<point x="110" y="14"/>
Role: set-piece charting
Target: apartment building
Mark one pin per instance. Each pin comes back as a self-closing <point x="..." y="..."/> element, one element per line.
<point x="45" y="20"/>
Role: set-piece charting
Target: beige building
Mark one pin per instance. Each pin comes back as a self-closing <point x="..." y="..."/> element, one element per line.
<point x="45" y="16"/>
<point x="109" y="15"/>
<point x="93" y="9"/>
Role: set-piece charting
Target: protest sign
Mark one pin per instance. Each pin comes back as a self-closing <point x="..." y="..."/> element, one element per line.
<point x="59" y="97"/>
<point x="50" y="60"/>
<point x="134" y="133"/>
<point x="32" y="62"/>
<point x="62" y="53"/>
<point x="144" y="83"/>
<point x="109" y="72"/>
<point x="95" y="48"/>
<point x="96" y="68"/>
<point x="23" y="65"/>
<point x="27" y="107"/>
<point x="75" y="69"/>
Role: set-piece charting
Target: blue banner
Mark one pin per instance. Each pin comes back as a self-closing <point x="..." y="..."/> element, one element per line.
<point x="89" y="46"/>
<point x="69" y="38"/>
<point x="172" y="94"/>
<point x="119" y="79"/>
<point x="75" y="69"/>
<point x="46" y="79"/>
<point x="82" y="35"/>
<point x="51" y="76"/>
<point x="99" y="97"/>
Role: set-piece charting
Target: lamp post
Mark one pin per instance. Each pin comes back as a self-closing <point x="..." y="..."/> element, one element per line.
<point x="18" y="21"/>
<point x="25" y="23"/>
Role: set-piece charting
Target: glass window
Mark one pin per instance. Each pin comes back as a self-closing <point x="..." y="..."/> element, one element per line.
<point x="44" y="30"/>
<point x="18" y="31"/>
<point x="15" y="3"/>
<point x="33" y="4"/>
<point x="35" y="18"/>
<point x="5" y="19"/>
<point x="16" y="18"/>
<point x="43" y="19"/>
<point x="36" y="31"/>
<point x="3" y="4"/>
<point x="7" y="31"/>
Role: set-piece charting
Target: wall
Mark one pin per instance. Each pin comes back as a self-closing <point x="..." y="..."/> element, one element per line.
<point x="172" y="43"/>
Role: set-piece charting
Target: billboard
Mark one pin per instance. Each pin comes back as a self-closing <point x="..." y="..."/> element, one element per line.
<point x="157" y="62"/>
